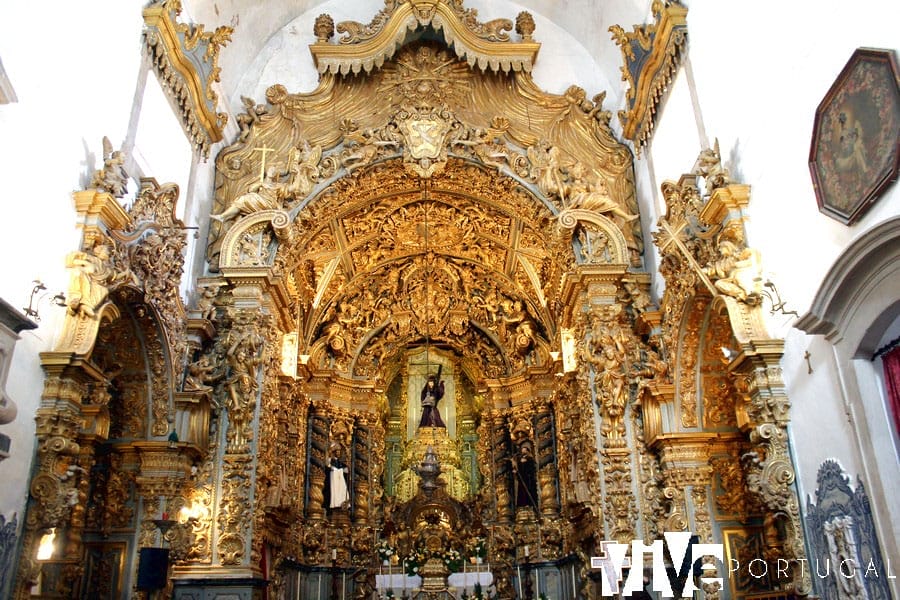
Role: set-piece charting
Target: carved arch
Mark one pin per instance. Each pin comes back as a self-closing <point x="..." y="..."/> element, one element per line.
<point x="852" y="286"/>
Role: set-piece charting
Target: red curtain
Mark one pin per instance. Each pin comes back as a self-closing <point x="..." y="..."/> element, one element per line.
<point x="891" y="362"/>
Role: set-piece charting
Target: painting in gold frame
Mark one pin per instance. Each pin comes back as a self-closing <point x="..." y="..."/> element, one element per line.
<point x="855" y="150"/>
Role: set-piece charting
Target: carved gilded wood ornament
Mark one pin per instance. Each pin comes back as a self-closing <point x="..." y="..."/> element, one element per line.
<point x="425" y="208"/>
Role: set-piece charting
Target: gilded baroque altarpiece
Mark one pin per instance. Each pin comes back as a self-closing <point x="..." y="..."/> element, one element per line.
<point x="427" y="208"/>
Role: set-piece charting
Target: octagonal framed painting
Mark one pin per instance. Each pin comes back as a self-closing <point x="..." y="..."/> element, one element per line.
<point x="855" y="150"/>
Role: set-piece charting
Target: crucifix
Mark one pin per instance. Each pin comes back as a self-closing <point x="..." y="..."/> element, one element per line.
<point x="262" y="166"/>
<point x="674" y="239"/>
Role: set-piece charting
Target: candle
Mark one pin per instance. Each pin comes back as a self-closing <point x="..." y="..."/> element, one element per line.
<point x="343" y="586"/>
<point x="526" y="551"/>
<point x="334" y="554"/>
<point x="519" y="577"/>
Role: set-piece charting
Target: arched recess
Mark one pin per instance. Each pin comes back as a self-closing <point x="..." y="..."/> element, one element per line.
<point x="717" y="418"/>
<point x="857" y="300"/>
<point x="137" y="394"/>
<point x="850" y="293"/>
<point x="109" y="458"/>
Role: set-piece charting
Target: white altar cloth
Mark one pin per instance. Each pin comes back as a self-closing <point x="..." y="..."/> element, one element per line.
<point x="459" y="581"/>
<point x="397" y="581"/>
<point x="466" y="581"/>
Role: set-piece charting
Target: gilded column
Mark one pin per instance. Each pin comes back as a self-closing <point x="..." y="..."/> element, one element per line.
<point x="769" y="468"/>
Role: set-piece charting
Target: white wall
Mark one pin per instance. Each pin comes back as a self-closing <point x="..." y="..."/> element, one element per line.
<point x="74" y="76"/>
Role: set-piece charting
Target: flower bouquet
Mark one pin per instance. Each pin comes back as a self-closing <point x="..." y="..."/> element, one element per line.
<point x="385" y="551"/>
<point x="414" y="561"/>
<point x="453" y="559"/>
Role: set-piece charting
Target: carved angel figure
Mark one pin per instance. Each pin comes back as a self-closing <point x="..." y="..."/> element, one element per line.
<point x="112" y="177"/>
<point x="731" y="269"/>
<point x="546" y="162"/>
<point x="303" y="165"/>
<point x="485" y="146"/>
<point x="266" y="195"/>
<point x="247" y="119"/>
<point x="206" y="301"/>
<point x="361" y="147"/>
<point x="589" y="192"/>
<point x="90" y="274"/>
<point x="709" y="166"/>
<point x="200" y="373"/>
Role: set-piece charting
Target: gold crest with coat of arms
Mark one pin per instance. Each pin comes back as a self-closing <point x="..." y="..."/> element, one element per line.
<point x="425" y="136"/>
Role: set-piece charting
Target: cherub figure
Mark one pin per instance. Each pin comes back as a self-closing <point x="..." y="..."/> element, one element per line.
<point x="709" y="166"/>
<point x="200" y="373"/>
<point x="112" y="177"/>
<point x="247" y="119"/>
<point x="206" y="302"/>
<point x="730" y="271"/>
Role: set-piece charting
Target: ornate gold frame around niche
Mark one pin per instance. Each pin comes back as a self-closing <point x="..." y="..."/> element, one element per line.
<point x="652" y="54"/>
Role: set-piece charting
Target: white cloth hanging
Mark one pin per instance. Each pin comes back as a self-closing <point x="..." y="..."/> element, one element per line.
<point x="339" y="492"/>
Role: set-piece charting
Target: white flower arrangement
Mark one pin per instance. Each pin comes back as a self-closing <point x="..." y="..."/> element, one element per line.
<point x="453" y="559"/>
<point x="385" y="550"/>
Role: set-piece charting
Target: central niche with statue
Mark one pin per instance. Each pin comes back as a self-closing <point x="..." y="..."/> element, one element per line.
<point x="433" y="411"/>
<point x="433" y="536"/>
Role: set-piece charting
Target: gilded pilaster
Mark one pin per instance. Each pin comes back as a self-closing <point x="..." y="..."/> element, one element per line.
<point x="609" y="353"/>
<point x="58" y="488"/>
<point x="769" y="467"/>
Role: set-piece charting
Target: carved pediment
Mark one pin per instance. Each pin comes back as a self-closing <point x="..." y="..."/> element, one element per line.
<point x="364" y="47"/>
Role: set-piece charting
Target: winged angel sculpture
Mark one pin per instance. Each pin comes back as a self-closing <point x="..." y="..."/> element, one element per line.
<point x="111" y="177"/>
